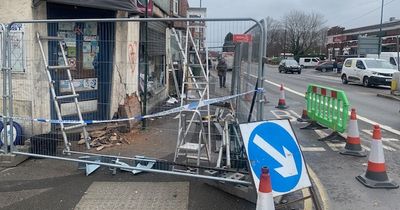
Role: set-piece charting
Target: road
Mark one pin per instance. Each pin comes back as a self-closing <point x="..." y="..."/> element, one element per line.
<point x="365" y="100"/>
<point x="334" y="172"/>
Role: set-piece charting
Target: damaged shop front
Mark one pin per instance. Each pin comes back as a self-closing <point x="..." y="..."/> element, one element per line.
<point x="103" y="59"/>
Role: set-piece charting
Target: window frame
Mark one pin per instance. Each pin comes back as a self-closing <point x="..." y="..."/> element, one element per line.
<point x="392" y="61"/>
<point x="357" y="64"/>
<point x="348" y="62"/>
<point x="175" y="7"/>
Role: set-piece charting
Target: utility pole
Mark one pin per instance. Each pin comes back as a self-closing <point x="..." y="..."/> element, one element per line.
<point x="284" y="45"/>
<point x="380" y="31"/>
<point x="146" y="65"/>
<point x="398" y="52"/>
<point x="200" y="3"/>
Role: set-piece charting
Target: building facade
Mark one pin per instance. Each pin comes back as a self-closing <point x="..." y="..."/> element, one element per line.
<point x="103" y="57"/>
<point x="341" y="41"/>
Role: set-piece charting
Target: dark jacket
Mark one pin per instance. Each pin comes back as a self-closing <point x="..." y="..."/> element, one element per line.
<point x="222" y="68"/>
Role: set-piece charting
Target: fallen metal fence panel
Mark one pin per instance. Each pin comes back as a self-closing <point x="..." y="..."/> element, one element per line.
<point x="109" y="71"/>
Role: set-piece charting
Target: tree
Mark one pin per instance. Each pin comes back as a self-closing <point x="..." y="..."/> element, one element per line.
<point x="303" y="31"/>
<point x="228" y="43"/>
<point x="274" y="41"/>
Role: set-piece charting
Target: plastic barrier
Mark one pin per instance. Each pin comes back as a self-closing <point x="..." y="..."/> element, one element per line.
<point x="328" y="107"/>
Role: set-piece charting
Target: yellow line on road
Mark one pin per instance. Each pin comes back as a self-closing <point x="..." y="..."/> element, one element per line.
<point x="307" y="202"/>
<point x="320" y="189"/>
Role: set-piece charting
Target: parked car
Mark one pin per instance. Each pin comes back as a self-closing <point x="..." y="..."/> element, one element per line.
<point x="308" y="62"/>
<point x="367" y="71"/>
<point x="289" y="66"/>
<point x="328" y="66"/>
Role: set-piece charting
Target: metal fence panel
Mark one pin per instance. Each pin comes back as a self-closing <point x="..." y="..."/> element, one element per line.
<point x="107" y="61"/>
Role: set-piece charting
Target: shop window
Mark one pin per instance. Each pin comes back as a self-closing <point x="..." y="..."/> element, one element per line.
<point x="175" y="7"/>
<point x="156" y="72"/>
<point x="80" y="45"/>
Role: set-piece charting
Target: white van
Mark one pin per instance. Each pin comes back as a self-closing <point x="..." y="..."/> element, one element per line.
<point x="367" y="71"/>
<point x="308" y="62"/>
<point x="389" y="56"/>
<point x="229" y="58"/>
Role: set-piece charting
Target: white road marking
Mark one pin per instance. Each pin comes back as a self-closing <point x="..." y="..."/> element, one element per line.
<point x="369" y="132"/>
<point x="312" y="149"/>
<point x="365" y="147"/>
<point x="295" y="114"/>
<point x="334" y="147"/>
<point x="385" y="127"/>
<point x="324" y="77"/>
<point x="392" y="146"/>
<point x="282" y="114"/>
<point x="304" y="149"/>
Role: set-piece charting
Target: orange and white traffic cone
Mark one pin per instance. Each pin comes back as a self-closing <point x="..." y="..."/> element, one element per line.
<point x="376" y="176"/>
<point x="282" y="101"/>
<point x="304" y="117"/>
<point x="265" y="200"/>
<point x="353" y="142"/>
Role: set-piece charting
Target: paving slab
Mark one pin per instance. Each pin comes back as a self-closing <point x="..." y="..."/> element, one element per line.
<point x="135" y="195"/>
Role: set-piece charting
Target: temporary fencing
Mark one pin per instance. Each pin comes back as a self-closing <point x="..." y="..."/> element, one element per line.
<point x="328" y="107"/>
<point x="249" y="74"/>
<point x="121" y="78"/>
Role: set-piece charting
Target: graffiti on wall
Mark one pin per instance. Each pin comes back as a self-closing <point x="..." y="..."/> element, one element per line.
<point x="132" y="53"/>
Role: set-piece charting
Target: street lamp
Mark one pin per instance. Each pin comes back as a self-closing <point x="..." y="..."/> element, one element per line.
<point x="380" y="32"/>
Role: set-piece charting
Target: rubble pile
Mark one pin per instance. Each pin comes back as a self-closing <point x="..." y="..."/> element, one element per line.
<point x="108" y="137"/>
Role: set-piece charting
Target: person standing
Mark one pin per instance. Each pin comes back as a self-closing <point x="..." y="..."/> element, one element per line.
<point x="222" y="68"/>
<point x="335" y="66"/>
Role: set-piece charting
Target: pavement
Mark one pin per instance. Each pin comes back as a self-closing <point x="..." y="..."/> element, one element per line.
<point x="51" y="184"/>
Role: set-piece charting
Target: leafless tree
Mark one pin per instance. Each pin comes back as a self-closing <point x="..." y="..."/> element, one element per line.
<point x="303" y="31"/>
<point x="274" y="41"/>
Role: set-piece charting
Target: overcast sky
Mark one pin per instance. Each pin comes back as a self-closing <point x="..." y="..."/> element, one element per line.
<point x="347" y="13"/>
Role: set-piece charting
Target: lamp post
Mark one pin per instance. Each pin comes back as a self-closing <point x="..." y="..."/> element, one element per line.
<point x="380" y="31"/>
<point x="398" y="52"/>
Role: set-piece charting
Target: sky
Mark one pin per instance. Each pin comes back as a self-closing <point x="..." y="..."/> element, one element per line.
<point x="347" y="13"/>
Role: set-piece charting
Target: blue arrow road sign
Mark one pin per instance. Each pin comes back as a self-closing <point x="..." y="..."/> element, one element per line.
<point x="273" y="144"/>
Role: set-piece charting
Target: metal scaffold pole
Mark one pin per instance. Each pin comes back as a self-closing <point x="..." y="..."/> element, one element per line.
<point x="146" y="66"/>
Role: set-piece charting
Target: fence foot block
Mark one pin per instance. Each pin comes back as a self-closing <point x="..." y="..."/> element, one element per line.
<point x="313" y="126"/>
<point x="334" y="136"/>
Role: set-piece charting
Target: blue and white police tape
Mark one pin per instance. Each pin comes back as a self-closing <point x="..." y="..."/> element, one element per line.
<point x="187" y="107"/>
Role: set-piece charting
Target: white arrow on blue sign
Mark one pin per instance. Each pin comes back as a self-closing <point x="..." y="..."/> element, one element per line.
<point x="274" y="145"/>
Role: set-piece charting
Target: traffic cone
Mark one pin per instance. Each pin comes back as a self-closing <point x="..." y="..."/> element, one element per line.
<point x="265" y="200"/>
<point x="304" y="117"/>
<point x="282" y="101"/>
<point x="353" y="142"/>
<point x="376" y="176"/>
